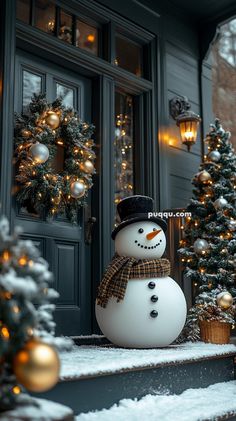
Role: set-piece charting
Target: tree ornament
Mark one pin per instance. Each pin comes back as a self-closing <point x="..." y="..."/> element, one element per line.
<point x="214" y="156"/>
<point x="200" y="246"/>
<point x="39" y="153"/>
<point x="204" y="177"/>
<point x="52" y="119"/>
<point x="77" y="189"/>
<point x="232" y="225"/>
<point x="220" y="203"/>
<point x="36" y="366"/>
<point x="88" y="167"/>
<point x="224" y="300"/>
<point x="26" y="133"/>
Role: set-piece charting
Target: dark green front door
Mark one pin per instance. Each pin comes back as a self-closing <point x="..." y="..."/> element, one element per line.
<point x="60" y="243"/>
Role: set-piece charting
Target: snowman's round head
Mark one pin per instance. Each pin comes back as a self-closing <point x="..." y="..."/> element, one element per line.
<point x="141" y="240"/>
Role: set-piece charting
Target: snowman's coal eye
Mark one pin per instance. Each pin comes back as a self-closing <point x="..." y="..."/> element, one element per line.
<point x="154" y="229"/>
<point x="140" y="230"/>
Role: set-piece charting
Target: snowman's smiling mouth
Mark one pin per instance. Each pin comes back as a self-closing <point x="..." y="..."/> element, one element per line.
<point x="148" y="247"/>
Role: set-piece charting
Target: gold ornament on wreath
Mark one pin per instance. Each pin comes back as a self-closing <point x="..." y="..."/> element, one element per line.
<point x="40" y="134"/>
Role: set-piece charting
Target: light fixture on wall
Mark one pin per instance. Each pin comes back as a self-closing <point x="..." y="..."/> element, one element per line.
<point x="186" y="120"/>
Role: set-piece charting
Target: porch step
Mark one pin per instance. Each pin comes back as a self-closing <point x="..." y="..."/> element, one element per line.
<point x="216" y="402"/>
<point x="96" y="377"/>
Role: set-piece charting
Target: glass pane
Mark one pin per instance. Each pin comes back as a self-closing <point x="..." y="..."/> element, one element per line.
<point x="123" y="147"/>
<point x="65" y="29"/>
<point x="32" y="83"/>
<point x="128" y="55"/>
<point x="45" y="13"/>
<point x="67" y="94"/>
<point x="223" y="64"/>
<point x="86" y="37"/>
<point x="23" y="10"/>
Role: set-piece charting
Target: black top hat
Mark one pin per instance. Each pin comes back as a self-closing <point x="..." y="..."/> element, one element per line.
<point x="134" y="209"/>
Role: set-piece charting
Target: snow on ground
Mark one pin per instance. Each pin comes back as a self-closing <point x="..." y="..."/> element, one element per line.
<point x="191" y="405"/>
<point x="90" y="360"/>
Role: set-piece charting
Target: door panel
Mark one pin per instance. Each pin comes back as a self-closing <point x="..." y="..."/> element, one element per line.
<point x="61" y="243"/>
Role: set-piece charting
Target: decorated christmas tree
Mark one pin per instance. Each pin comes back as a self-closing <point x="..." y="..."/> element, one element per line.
<point x="54" y="158"/>
<point x="28" y="356"/>
<point x="208" y="246"/>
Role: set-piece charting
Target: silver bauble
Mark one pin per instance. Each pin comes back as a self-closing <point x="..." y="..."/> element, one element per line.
<point x="39" y="153"/>
<point x="232" y="225"/>
<point x="200" y="246"/>
<point x="77" y="189"/>
<point x="220" y="203"/>
<point x="204" y="177"/>
<point x="214" y="156"/>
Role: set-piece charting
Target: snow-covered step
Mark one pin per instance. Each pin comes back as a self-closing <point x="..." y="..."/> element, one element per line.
<point x="216" y="402"/>
<point x="96" y="377"/>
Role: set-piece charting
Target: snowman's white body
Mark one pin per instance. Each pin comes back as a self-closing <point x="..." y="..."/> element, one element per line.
<point x="129" y="322"/>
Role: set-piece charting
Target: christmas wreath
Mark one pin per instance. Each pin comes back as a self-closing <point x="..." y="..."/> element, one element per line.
<point x="42" y="133"/>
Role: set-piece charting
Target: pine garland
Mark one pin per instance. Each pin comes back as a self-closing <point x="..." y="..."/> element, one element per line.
<point x="40" y="187"/>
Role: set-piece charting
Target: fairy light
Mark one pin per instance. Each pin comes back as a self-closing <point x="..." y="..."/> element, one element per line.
<point x="23" y="260"/>
<point x="5" y="332"/>
<point x="6" y="256"/>
<point x="16" y="309"/>
<point x="182" y="227"/>
<point x="16" y="390"/>
<point x="196" y="223"/>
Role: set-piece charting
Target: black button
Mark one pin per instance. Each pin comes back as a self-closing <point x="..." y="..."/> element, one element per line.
<point x="151" y="285"/>
<point x="154" y="298"/>
<point x="154" y="313"/>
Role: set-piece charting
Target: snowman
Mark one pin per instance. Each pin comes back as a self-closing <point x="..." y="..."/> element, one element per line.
<point x="138" y="304"/>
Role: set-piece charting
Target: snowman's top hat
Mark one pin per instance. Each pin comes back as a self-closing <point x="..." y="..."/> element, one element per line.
<point x="134" y="209"/>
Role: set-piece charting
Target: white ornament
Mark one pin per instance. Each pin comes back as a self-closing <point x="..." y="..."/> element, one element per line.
<point x="200" y="246"/>
<point x="220" y="203"/>
<point x="214" y="156"/>
<point x="153" y="311"/>
<point x="77" y="189"/>
<point x="39" y="153"/>
<point x="232" y="225"/>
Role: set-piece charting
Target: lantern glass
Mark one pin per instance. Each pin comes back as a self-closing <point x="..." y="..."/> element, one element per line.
<point x="188" y="131"/>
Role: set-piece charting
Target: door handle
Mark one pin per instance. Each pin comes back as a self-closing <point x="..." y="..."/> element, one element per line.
<point x="89" y="229"/>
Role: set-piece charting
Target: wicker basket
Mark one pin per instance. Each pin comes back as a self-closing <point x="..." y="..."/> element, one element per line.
<point x="214" y="332"/>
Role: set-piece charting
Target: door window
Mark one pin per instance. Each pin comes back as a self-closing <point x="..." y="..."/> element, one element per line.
<point x="32" y="83"/>
<point x="67" y="94"/>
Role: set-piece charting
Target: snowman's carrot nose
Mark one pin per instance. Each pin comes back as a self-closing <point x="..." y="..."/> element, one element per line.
<point x="152" y="234"/>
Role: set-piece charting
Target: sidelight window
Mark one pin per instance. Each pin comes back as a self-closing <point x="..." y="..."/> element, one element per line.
<point x="123" y="146"/>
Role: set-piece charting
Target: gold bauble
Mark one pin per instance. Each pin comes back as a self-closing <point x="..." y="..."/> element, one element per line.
<point x="26" y="133"/>
<point x="88" y="167"/>
<point x="52" y="120"/>
<point x="204" y="177"/>
<point x="224" y="300"/>
<point x="36" y="366"/>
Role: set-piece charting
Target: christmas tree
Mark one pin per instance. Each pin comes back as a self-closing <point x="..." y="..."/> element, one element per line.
<point x="27" y="343"/>
<point x="208" y="246"/>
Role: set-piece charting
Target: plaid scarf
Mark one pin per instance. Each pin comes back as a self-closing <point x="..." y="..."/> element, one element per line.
<point x="123" y="268"/>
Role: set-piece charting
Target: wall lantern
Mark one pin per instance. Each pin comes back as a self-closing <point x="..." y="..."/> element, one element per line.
<point x="186" y="120"/>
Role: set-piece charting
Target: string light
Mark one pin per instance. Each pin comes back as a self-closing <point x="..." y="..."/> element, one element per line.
<point x="23" y="260"/>
<point x="16" y="390"/>
<point x="5" y="332"/>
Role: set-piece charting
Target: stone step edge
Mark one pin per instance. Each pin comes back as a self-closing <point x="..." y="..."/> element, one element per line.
<point x="146" y="367"/>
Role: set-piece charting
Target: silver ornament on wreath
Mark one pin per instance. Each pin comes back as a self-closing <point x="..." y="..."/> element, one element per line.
<point x="77" y="189"/>
<point x="204" y="177"/>
<point x="39" y="153"/>
<point x="200" y="246"/>
<point x="214" y="156"/>
<point x="220" y="203"/>
<point x="232" y="225"/>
